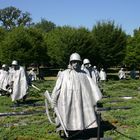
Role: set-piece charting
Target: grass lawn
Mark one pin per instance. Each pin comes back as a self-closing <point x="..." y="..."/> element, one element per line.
<point x="119" y="124"/>
<point x="125" y="122"/>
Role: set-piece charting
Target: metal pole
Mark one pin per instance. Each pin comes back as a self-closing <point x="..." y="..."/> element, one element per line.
<point x="98" y="120"/>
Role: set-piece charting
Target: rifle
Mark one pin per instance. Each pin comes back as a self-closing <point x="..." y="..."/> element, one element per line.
<point x="47" y="95"/>
<point x="35" y="87"/>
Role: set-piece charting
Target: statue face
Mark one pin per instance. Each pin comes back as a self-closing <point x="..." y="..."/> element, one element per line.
<point x="16" y="67"/>
<point x="75" y="65"/>
<point x="86" y="65"/>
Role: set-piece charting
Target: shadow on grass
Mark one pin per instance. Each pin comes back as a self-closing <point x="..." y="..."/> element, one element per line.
<point x="27" y="102"/>
<point x="90" y="133"/>
<point x="113" y="77"/>
<point x="30" y="101"/>
<point x="123" y="135"/>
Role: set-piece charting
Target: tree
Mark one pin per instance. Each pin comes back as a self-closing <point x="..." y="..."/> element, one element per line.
<point x="25" y="45"/>
<point x="132" y="57"/>
<point x="45" y="25"/>
<point x="62" y="41"/>
<point x="2" y="34"/>
<point x="11" y="17"/>
<point x="109" y="43"/>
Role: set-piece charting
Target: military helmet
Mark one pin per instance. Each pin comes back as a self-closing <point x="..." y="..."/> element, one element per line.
<point x="75" y="56"/>
<point x="4" y="66"/>
<point x="86" y="61"/>
<point x="14" y="62"/>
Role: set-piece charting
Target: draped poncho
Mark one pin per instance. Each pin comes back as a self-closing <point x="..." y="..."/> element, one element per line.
<point x="75" y="95"/>
<point x="20" y="84"/>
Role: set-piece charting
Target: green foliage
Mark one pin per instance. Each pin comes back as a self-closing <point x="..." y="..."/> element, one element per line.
<point x="25" y="45"/>
<point x="133" y="49"/>
<point x="104" y="46"/>
<point x="2" y="36"/>
<point x="45" y="25"/>
<point x="2" y="33"/>
<point x="109" y="42"/>
<point x="11" y="17"/>
<point x="62" y="41"/>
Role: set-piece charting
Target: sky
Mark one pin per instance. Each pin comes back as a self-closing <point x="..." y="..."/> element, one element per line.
<point x="85" y="13"/>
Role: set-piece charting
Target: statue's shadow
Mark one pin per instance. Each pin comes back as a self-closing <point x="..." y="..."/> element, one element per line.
<point x="91" y="133"/>
<point x="28" y="102"/>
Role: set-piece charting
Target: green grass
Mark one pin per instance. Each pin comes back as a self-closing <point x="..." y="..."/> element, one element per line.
<point x="27" y="127"/>
<point x="125" y="124"/>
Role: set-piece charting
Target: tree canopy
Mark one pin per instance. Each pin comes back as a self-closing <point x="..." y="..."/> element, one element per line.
<point x="45" y="25"/>
<point x="11" y="17"/>
<point x="63" y="41"/>
<point x="24" y="45"/>
<point x="105" y="45"/>
<point x="133" y="49"/>
<point x="109" y="43"/>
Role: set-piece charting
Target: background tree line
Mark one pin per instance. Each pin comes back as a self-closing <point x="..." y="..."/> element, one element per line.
<point x="105" y="45"/>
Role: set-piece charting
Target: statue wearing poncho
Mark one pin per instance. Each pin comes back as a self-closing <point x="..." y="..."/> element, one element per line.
<point x="19" y="85"/>
<point x="75" y="95"/>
